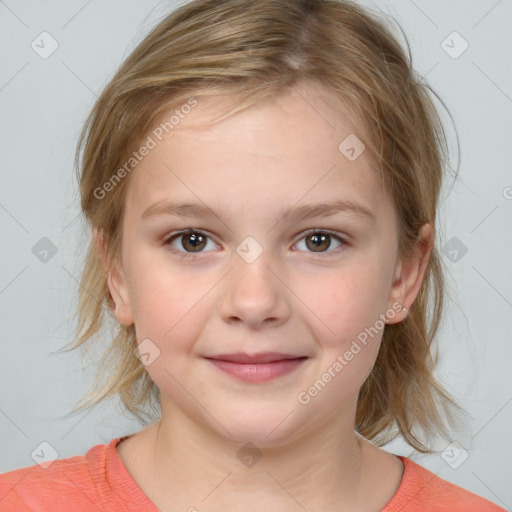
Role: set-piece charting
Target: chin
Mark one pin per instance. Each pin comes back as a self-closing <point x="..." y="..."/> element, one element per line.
<point x="263" y="428"/>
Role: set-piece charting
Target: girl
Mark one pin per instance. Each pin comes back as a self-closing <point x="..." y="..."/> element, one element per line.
<point x="261" y="179"/>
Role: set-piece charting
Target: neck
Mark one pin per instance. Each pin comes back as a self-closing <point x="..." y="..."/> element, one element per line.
<point x="195" y="466"/>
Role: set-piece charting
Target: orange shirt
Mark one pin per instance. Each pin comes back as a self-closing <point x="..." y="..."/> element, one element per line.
<point x="99" y="480"/>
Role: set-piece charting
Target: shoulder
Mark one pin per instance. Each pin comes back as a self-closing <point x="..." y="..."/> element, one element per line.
<point x="66" y="484"/>
<point x="422" y="490"/>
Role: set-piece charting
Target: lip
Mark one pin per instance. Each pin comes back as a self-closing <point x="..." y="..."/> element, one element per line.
<point x="262" y="357"/>
<point x="258" y="367"/>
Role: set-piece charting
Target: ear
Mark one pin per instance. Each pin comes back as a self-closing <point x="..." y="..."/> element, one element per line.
<point x="410" y="274"/>
<point x="116" y="281"/>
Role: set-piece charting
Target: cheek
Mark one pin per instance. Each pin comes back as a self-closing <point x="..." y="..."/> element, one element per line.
<point x="345" y="301"/>
<point x="164" y="300"/>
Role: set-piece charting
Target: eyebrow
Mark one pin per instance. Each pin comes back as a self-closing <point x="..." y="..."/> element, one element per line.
<point x="297" y="213"/>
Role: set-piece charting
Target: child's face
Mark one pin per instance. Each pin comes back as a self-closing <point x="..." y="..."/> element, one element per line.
<point x="228" y="298"/>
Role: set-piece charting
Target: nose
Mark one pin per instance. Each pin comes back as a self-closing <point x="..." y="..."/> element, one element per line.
<point x="254" y="294"/>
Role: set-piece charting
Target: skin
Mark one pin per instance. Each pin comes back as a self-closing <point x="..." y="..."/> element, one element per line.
<point x="282" y="152"/>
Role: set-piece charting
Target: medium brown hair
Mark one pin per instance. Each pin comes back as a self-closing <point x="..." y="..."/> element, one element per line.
<point x="256" y="49"/>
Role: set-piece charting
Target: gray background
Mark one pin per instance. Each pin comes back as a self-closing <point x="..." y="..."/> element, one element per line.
<point x="44" y="102"/>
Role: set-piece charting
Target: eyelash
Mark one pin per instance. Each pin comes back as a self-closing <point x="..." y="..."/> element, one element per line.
<point x="189" y="255"/>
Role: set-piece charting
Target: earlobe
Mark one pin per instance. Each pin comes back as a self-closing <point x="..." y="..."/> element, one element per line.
<point x="119" y="292"/>
<point x="410" y="275"/>
<point x="116" y="282"/>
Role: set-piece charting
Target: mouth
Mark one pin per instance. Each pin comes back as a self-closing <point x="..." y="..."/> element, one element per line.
<point x="257" y="367"/>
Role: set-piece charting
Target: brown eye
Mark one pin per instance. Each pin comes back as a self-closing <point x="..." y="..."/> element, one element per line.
<point x="188" y="243"/>
<point x="193" y="242"/>
<point x="316" y="241"/>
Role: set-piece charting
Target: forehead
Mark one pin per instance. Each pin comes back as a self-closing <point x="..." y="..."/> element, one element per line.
<point x="286" y="146"/>
<point x="321" y="111"/>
